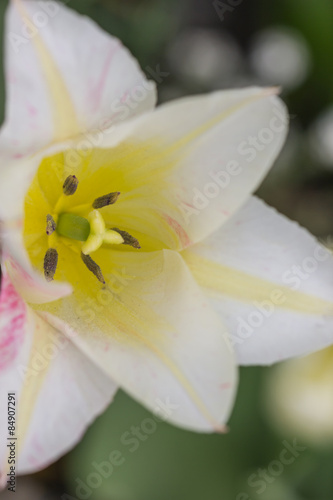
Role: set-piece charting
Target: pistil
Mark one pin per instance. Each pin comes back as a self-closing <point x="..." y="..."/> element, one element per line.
<point x="73" y="227"/>
<point x="99" y="234"/>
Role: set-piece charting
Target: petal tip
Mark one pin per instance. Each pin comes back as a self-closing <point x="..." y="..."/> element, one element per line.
<point x="222" y="429"/>
<point x="272" y="91"/>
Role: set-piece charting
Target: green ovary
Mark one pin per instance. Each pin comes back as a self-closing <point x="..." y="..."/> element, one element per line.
<point x="73" y="226"/>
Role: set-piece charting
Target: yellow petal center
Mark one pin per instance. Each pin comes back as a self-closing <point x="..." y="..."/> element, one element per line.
<point x="142" y="216"/>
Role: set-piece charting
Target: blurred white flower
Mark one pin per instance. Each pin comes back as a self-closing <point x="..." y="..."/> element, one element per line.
<point x="300" y="397"/>
<point x="321" y="138"/>
<point x="205" y="56"/>
<point x="282" y="56"/>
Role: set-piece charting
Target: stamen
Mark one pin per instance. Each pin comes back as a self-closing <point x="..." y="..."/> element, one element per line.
<point x="93" y="267"/>
<point x="128" y="239"/>
<point x="50" y="264"/>
<point x="104" y="201"/>
<point x="70" y="185"/>
<point x="51" y="226"/>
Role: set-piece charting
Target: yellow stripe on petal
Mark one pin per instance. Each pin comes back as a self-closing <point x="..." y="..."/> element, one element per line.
<point x="125" y="329"/>
<point x="188" y="387"/>
<point x="35" y="374"/>
<point x="130" y="324"/>
<point x="205" y="127"/>
<point x="63" y="110"/>
<point x="223" y="280"/>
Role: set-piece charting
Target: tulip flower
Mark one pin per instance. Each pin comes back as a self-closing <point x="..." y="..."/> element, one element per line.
<point x="133" y="252"/>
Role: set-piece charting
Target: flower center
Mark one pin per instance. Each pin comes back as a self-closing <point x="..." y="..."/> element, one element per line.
<point x="91" y="231"/>
<point x="73" y="227"/>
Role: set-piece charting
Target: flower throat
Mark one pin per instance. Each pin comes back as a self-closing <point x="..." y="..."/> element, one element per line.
<point x="91" y="231"/>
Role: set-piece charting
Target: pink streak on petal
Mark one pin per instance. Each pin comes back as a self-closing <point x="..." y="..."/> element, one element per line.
<point x="32" y="110"/>
<point x="33" y="287"/>
<point x="180" y="231"/>
<point x="225" y="386"/>
<point x="14" y="313"/>
<point x="98" y="90"/>
<point x="124" y="97"/>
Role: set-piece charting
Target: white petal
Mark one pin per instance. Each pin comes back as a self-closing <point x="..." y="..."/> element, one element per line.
<point x="200" y="148"/>
<point x="153" y="332"/>
<point x="271" y="282"/>
<point x="14" y="183"/>
<point x="58" y="390"/>
<point x="64" y="75"/>
<point x="31" y="286"/>
<point x="28" y="283"/>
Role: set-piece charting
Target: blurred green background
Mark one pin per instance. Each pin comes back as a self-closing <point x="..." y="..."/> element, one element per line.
<point x="203" y="46"/>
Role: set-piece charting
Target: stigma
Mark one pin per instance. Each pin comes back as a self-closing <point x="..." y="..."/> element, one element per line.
<point x="91" y="231"/>
<point x="99" y="234"/>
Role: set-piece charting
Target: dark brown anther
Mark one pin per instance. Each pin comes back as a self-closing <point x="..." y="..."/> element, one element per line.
<point x="93" y="267"/>
<point x="50" y="264"/>
<point x="107" y="199"/>
<point x="128" y="239"/>
<point x="70" y="185"/>
<point x="51" y="226"/>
